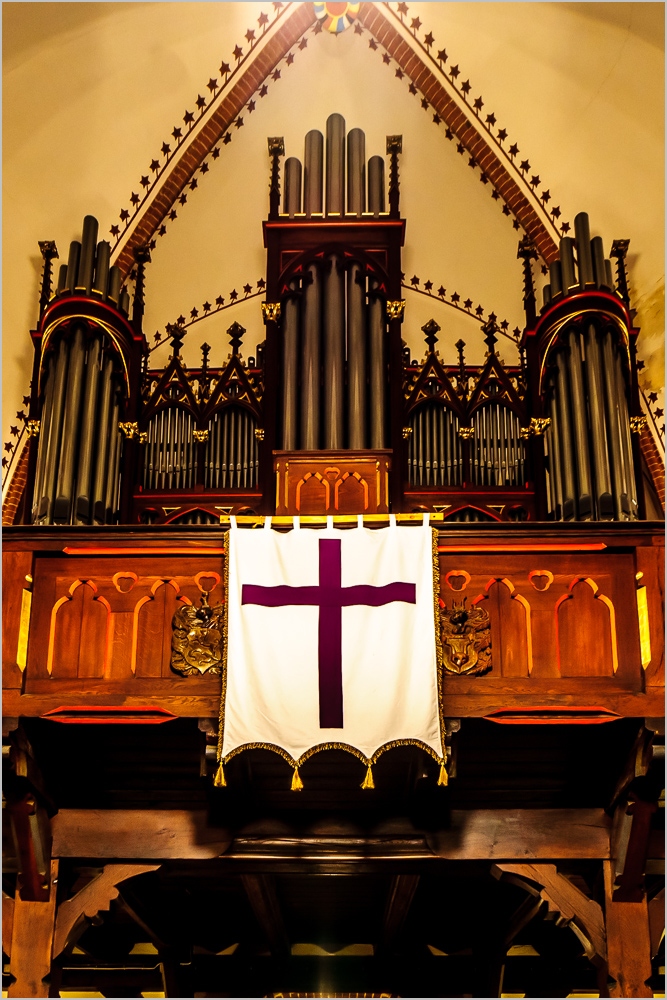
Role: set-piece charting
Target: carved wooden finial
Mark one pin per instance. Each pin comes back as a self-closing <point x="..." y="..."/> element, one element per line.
<point x="235" y="333"/>
<point x="430" y="331"/>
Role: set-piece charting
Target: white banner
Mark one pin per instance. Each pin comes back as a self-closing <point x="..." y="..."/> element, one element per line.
<point x="331" y="639"/>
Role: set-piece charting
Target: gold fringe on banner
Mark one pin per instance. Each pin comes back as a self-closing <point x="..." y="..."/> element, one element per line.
<point x="443" y="778"/>
<point x="297" y="783"/>
<point x="219" y="781"/>
<point x="368" y="780"/>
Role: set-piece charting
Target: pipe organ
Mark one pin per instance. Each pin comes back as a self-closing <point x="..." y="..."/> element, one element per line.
<point x="334" y="417"/>
<point x="585" y="381"/>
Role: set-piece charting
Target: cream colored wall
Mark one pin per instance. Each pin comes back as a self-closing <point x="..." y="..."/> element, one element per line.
<point x="92" y="90"/>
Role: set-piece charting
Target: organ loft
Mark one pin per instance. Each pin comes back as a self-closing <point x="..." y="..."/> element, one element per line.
<point x="525" y="857"/>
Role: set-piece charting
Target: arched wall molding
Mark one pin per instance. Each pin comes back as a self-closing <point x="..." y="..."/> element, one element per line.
<point x="389" y="31"/>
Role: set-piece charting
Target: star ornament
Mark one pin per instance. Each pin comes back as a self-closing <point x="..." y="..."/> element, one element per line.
<point x="336" y="17"/>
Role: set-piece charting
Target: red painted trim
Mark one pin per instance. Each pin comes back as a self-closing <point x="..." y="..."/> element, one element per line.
<point x="527" y="547"/>
<point x="561" y="715"/>
<point x="87" y="715"/>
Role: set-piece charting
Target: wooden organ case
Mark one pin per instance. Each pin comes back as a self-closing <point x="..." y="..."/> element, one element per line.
<point x="533" y="472"/>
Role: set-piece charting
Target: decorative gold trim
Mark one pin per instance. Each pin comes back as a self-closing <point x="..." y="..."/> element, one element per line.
<point x="538" y="425"/>
<point x="395" y="308"/>
<point x="201" y="436"/>
<point x="644" y="626"/>
<point x="32" y="428"/>
<point x="638" y="424"/>
<point x="296" y="763"/>
<point x="129" y="428"/>
<point x="466" y="432"/>
<point x="407" y="431"/>
<point x="271" y="312"/>
<point x="259" y="433"/>
<point x="143" y="437"/>
<point x="24" y="630"/>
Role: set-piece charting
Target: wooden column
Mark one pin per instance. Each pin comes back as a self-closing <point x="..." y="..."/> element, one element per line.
<point x="32" y="942"/>
<point x="628" y="942"/>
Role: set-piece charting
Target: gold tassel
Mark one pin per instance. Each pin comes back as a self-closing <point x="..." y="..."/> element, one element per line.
<point x="443" y="778"/>
<point x="297" y="783"/>
<point x="219" y="780"/>
<point x="368" y="780"/>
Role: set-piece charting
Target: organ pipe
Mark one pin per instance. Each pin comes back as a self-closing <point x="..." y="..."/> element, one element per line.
<point x="619" y="471"/>
<point x="376" y="381"/>
<point x="88" y="414"/>
<point x="44" y="438"/>
<point x="356" y="172"/>
<point x="356" y="355"/>
<point x="66" y="463"/>
<point x="570" y="283"/>
<point x="310" y="377"/>
<point x="597" y="252"/>
<point x="62" y="279"/>
<point x="598" y="426"/>
<point x="113" y="465"/>
<point x="104" y="432"/>
<point x="313" y="173"/>
<point x="376" y="189"/>
<point x="335" y="183"/>
<point x="292" y="202"/>
<point x="73" y="266"/>
<point x="53" y="445"/>
<point x="579" y="425"/>
<point x="567" y="458"/>
<point x="290" y="370"/>
<point x="87" y="259"/>
<point x="102" y="269"/>
<point x="334" y="347"/>
<point x="115" y="277"/>
<point x="584" y="257"/>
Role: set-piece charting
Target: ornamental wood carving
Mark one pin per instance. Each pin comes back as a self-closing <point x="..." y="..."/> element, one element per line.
<point x="466" y="639"/>
<point x="196" y="645"/>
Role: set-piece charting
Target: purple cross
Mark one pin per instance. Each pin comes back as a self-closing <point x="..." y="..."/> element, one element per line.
<point x="331" y="598"/>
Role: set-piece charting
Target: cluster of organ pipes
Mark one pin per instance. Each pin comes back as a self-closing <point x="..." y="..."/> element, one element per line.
<point x="333" y="363"/>
<point x="434" y="447"/>
<point x="232" y="457"/>
<point x="77" y="473"/>
<point x="87" y="271"/>
<point x="333" y="372"/>
<point x="589" y="463"/>
<point x="589" y="269"/>
<point x="341" y="189"/>
<point x="497" y="448"/>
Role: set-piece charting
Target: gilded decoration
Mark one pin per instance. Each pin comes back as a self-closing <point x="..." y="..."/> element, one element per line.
<point x="196" y="644"/>
<point x="466" y="639"/>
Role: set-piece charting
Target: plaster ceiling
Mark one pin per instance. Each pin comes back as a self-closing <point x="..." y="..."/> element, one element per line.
<point x="92" y="91"/>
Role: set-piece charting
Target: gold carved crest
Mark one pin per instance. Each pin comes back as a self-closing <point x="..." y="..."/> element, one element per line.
<point x="466" y="639"/>
<point x="196" y="643"/>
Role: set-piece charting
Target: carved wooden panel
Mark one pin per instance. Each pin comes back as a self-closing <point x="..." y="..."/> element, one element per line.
<point x="333" y="482"/>
<point x="109" y="619"/>
<point x="553" y="615"/>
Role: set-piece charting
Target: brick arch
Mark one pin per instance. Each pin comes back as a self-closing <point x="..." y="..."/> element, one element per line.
<point x="276" y="46"/>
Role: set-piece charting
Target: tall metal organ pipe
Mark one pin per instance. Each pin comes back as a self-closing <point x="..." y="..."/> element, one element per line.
<point x="584" y="256"/>
<point x="104" y="431"/>
<point x="88" y="413"/>
<point x="44" y="437"/>
<point x="313" y="172"/>
<point x="335" y="183"/>
<point x="376" y="364"/>
<point x="73" y="265"/>
<point x="310" y="373"/>
<point x="290" y="369"/>
<point x="376" y="195"/>
<point x="292" y="186"/>
<point x="101" y="281"/>
<point x="53" y="444"/>
<point x="70" y="432"/>
<point x="598" y="425"/>
<point x="565" y="424"/>
<point x="356" y="356"/>
<point x="579" y="425"/>
<point x="84" y="282"/>
<point x="614" y="409"/>
<point x="334" y="352"/>
<point x="356" y="172"/>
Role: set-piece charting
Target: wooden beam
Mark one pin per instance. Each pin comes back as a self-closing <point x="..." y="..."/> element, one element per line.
<point x="628" y="942"/>
<point x="261" y="892"/>
<point x="32" y="942"/>
<point x="399" y="899"/>
<point x="137" y="833"/>
<point x="473" y="835"/>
